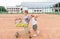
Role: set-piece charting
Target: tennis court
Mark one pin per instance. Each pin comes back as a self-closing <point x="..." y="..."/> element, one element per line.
<point x="48" y="25"/>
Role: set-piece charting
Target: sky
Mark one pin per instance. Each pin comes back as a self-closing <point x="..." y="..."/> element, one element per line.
<point x="18" y="2"/>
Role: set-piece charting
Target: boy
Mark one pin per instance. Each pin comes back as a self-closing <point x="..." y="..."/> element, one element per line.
<point x="34" y="23"/>
<point x="26" y="19"/>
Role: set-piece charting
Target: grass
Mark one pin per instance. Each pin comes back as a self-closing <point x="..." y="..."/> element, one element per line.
<point x="57" y="13"/>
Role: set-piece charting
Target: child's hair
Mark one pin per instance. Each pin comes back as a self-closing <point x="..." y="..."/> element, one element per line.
<point x="26" y="11"/>
<point x="32" y="15"/>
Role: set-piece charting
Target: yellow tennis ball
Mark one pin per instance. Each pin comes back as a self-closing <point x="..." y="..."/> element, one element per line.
<point x="25" y="25"/>
<point x="22" y="25"/>
<point x="19" y="25"/>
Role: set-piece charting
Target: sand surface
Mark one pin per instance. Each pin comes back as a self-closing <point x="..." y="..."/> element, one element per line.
<point x="48" y="25"/>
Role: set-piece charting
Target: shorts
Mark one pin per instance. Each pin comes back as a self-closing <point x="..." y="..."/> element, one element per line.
<point x="35" y="27"/>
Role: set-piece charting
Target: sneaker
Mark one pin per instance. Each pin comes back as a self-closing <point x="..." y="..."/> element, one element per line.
<point x="35" y="35"/>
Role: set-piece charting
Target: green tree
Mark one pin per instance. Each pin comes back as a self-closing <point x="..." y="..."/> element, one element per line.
<point x="2" y="9"/>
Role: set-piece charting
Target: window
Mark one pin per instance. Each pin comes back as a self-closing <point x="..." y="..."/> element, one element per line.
<point x="59" y="10"/>
<point x="59" y="4"/>
<point x="52" y="9"/>
<point x="16" y="8"/>
<point x="56" y="5"/>
<point x="37" y="10"/>
<point x="34" y="10"/>
<point x="21" y="9"/>
<point x="40" y="10"/>
<point x="56" y="10"/>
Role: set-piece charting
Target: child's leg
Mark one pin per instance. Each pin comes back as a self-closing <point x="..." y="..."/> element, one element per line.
<point x="35" y="29"/>
<point x="28" y="32"/>
<point x="37" y="32"/>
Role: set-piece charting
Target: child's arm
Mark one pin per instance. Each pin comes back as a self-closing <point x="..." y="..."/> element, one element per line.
<point x="15" y="21"/>
<point x="31" y="16"/>
<point x="36" y="19"/>
<point x="36" y="16"/>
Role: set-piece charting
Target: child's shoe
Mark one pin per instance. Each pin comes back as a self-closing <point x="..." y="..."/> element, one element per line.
<point x="35" y="35"/>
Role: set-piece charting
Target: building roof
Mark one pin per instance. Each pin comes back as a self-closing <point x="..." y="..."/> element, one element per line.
<point x="13" y="7"/>
<point x="38" y="5"/>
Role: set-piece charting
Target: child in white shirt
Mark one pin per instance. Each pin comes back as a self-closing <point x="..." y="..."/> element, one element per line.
<point x="34" y="23"/>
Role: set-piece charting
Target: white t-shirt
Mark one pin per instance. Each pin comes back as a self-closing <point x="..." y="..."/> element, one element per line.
<point x="34" y="21"/>
<point x="26" y="19"/>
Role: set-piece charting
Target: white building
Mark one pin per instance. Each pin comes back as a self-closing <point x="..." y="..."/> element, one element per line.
<point x="38" y="7"/>
<point x="14" y="9"/>
<point x="35" y="7"/>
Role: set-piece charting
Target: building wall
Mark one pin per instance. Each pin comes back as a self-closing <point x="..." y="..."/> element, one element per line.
<point x="48" y="10"/>
<point x="32" y="10"/>
<point x="14" y="9"/>
<point x="40" y="10"/>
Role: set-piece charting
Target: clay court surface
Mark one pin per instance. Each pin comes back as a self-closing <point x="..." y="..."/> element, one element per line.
<point x="48" y="25"/>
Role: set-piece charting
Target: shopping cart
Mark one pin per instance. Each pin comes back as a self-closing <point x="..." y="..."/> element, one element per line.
<point x="23" y="28"/>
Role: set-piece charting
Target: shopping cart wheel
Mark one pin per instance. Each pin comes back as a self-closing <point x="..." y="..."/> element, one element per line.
<point x="30" y="35"/>
<point x="17" y="34"/>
